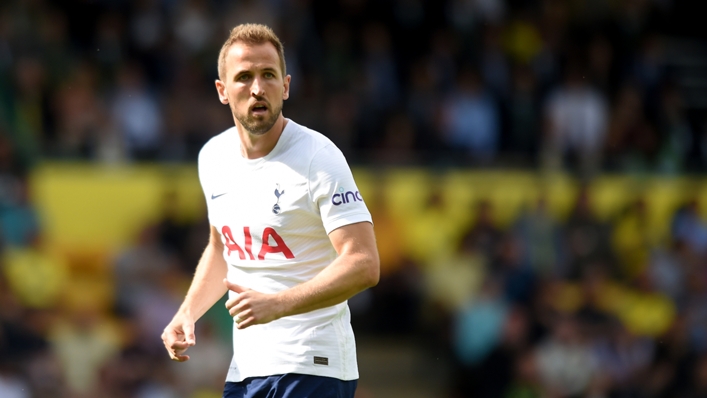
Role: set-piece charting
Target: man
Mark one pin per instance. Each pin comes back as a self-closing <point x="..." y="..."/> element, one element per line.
<point x="291" y="238"/>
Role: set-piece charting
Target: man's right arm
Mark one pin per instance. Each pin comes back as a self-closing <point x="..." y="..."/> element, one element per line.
<point x="206" y="289"/>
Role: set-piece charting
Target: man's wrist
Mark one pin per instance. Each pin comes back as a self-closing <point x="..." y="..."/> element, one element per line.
<point x="282" y="304"/>
<point x="186" y="314"/>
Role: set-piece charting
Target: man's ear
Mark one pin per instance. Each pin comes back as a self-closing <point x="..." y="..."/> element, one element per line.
<point x="286" y="92"/>
<point x="221" y="90"/>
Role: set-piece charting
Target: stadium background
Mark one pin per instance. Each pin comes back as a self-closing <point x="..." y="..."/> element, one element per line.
<point x="535" y="169"/>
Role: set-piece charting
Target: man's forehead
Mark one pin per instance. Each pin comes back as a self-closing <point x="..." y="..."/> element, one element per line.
<point x="256" y="55"/>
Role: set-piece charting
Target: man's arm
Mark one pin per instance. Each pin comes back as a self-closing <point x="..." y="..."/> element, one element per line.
<point x="356" y="268"/>
<point x="205" y="290"/>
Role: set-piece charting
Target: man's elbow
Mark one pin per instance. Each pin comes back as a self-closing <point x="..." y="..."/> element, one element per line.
<point x="373" y="271"/>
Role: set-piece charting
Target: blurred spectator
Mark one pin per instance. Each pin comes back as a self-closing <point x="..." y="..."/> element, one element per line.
<point x="397" y="300"/>
<point x="700" y="379"/>
<point x="456" y="282"/>
<point x="511" y="266"/>
<point x="110" y="49"/>
<point x="137" y="113"/>
<point x="340" y="125"/>
<point x="576" y="123"/>
<point x="601" y="64"/>
<point x="172" y="232"/>
<point x="494" y="65"/>
<point x="148" y="26"/>
<point x="594" y="307"/>
<point x="622" y="359"/>
<point x="422" y="100"/>
<point x="565" y="361"/>
<point x="484" y="233"/>
<point x="37" y="278"/>
<point x="522" y="39"/>
<point x="434" y="206"/>
<point x="478" y="325"/>
<point x="668" y="270"/>
<point x="10" y="184"/>
<point x="525" y="382"/>
<point x="687" y="225"/>
<point x="672" y="368"/>
<point x="79" y="113"/>
<point x="380" y="70"/>
<point x="252" y="11"/>
<point x="399" y="141"/>
<point x="649" y="65"/>
<point x="471" y="119"/>
<point x="632" y="141"/>
<point x="338" y="62"/>
<point x="539" y="233"/>
<point x="12" y="386"/>
<point x="138" y="270"/>
<point x="495" y="373"/>
<point x="19" y="221"/>
<point x="695" y="307"/>
<point x="523" y="116"/>
<point x="16" y="344"/>
<point x="676" y="137"/>
<point x="586" y="238"/>
<point x="444" y="53"/>
<point x="84" y="341"/>
<point x="465" y="14"/>
<point x="30" y="109"/>
<point x="192" y="26"/>
<point x="631" y="240"/>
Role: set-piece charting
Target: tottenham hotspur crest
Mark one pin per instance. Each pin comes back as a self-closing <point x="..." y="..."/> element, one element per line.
<point x="278" y="193"/>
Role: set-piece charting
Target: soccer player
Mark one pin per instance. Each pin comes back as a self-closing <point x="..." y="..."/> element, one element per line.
<point x="291" y="237"/>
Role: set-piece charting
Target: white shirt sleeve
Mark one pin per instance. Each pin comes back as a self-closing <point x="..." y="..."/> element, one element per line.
<point x="206" y="174"/>
<point x="333" y="190"/>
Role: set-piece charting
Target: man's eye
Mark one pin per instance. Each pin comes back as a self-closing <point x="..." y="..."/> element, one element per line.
<point x="243" y="77"/>
<point x="269" y="75"/>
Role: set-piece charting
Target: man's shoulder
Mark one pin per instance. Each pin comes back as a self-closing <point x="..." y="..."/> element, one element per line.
<point x="309" y="142"/>
<point x="218" y="143"/>
<point x="308" y="136"/>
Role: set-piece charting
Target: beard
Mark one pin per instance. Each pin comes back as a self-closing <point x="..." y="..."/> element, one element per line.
<point x="259" y="126"/>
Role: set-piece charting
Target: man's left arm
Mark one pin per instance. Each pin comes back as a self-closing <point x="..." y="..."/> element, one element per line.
<point x="356" y="268"/>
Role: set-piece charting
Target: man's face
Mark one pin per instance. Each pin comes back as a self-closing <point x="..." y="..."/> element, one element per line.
<point x="254" y="86"/>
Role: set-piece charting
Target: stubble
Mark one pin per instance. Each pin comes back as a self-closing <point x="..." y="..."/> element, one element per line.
<point x="259" y="126"/>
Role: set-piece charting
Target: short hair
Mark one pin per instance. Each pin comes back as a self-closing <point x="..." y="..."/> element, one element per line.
<point x="250" y="34"/>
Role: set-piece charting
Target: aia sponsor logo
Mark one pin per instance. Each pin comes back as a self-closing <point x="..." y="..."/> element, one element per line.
<point x="271" y="243"/>
<point x="344" y="196"/>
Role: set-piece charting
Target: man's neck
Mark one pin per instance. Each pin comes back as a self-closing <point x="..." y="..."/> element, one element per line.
<point x="258" y="146"/>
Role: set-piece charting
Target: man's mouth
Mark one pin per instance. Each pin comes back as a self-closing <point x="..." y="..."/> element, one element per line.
<point x="259" y="109"/>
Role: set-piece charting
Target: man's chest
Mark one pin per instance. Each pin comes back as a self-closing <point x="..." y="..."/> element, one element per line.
<point x="275" y="197"/>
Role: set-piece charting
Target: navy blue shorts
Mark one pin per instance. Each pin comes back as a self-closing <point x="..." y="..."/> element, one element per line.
<point x="291" y="385"/>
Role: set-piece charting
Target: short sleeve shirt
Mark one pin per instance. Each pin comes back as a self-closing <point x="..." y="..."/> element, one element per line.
<point x="274" y="214"/>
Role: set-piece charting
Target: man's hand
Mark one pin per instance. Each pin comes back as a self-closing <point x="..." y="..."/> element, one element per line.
<point x="252" y="308"/>
<point x="178" y="336"/>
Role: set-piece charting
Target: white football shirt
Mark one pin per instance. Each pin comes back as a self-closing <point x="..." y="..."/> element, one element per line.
<point x="274" y="214"/>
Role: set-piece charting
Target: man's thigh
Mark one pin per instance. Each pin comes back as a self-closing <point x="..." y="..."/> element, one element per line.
<point x="291" y="386"/>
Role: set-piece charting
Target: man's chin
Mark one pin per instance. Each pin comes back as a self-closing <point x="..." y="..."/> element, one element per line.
<point x="258" y="127"/>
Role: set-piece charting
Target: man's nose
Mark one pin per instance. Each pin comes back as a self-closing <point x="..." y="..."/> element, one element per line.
<point x="256" y="89"/>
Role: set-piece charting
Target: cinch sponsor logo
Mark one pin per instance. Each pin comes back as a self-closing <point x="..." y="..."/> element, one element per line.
<point x="345" y="197"/>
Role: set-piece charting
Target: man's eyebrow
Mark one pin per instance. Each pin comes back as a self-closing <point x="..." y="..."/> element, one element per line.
<point x="269" y="69"/>
<point x="239" y="73"/>
<point x="248" y="71"/>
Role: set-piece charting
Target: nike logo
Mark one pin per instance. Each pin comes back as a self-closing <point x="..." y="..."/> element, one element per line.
<point x="216" y="196"/>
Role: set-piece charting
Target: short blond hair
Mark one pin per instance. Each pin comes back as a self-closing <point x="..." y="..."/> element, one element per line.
<point x="250" y="33"/>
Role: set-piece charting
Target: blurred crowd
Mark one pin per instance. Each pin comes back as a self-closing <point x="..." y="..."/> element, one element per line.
<point x="581" y="84"/>
<point x="554" y="307"/>
<point x="543" y="307"/>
